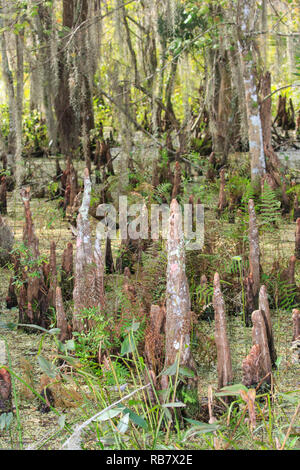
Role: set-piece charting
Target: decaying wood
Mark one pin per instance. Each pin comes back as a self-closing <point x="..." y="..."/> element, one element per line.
<point x="67" y="281"/>
<point x="88" y="284"/>
<point x="254" y="251"/>
<point x="222" y="203"/>
<point x="260" y="337"/>
<point x="154" y="339"/>
<point x="61" y="317"/>
<point x="225" y="374"/>
<point x="3" y="198"/>
<point x="178" y="307"/>
<point x="297" y="239"/>
<point x="252" y="367"/>
<point x="265" y="309"/>
<point x="11" y="299"/>
<point x="296" y="324"/>
<point x="33" y="295"/>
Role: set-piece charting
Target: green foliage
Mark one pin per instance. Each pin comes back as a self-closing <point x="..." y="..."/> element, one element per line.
<point x="269" y="209"/>
<point x="162" y="193"/>
<point x="4" y="122"/>
<point x="180" y="31"/>
<point x="28" y="263"/>
<point x="88" y="342"/>
<point x="117" y="374"/>
<point x="35" y="133"/>
<point x="238" y="186"/>
<point x="154" y="262"/>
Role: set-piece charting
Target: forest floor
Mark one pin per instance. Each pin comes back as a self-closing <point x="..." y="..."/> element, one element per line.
<point x="77" y="400"/>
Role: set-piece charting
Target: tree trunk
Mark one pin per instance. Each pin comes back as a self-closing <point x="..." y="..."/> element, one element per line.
<point x="67" y="121"/>
<point x="254" y="251"/>
<point x="246" y="48"/>
<point x="178" y="306"/>
<point x="260" y="337"/>
<point x="225" y="374"/>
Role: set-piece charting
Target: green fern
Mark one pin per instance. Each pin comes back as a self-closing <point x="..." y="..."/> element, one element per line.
<point x="163" y="192"/>
<point x="287" y="294"/>
<point x="269" y="209"/>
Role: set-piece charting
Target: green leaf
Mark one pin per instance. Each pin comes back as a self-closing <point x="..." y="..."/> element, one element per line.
<point x="168" y="414"/>
<point x="128" y="345"/>
<point x="53" y="331"/>
<point x="136" y="419"/>
<point x="186" y="372"/>
<point x="110" y="414"/>
<point x="171" y="370"/>
<point x="231" y="390"/>
<point x="123" y="424"/>
<point x="202" y="427"/>
<point x="176" y="404"/>
<point x="47" y="367"/>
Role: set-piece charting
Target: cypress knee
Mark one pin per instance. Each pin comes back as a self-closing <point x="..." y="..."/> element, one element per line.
<point x="259" y="336"/>
<point x="178" y="307"/>
<point x="265" y="309"/>
<point x="254" y="252"/>
<point x="225" y="374"/>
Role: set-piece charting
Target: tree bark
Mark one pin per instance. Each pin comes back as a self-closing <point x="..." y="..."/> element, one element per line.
<point x="67" y="121"/>
<point x="265" y="309"/>
<point x="225" y="374"/>
<point x="260" y="337"/>
<point x="246" y="46"/>
<point x="89" y="269"/>
<point x="178" y="307"/>
<point x="254" y="251"/>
